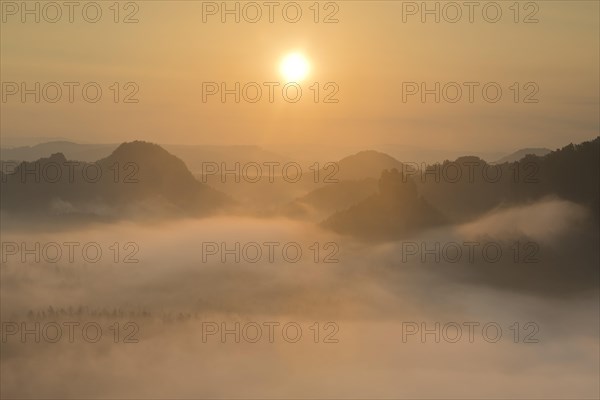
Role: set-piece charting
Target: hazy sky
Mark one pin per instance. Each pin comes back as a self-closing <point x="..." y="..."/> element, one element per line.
<point x="368" y="54"/>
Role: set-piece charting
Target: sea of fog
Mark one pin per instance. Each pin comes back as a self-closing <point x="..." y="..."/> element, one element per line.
<point x="233" y="307"/>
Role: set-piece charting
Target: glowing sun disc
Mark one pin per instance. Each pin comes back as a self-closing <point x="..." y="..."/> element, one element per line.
<point x="294" y="67"/>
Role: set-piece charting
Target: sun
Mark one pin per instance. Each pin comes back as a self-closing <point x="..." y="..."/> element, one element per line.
<point x="294" y="67"/>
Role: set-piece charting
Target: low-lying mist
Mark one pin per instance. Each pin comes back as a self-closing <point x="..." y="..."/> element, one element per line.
<point x="530" y="271"/>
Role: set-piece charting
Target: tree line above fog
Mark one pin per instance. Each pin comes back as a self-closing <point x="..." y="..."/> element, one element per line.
<point x="375" y="196"/>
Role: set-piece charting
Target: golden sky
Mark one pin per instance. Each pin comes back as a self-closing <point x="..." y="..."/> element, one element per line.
<point x="368" y="54"/>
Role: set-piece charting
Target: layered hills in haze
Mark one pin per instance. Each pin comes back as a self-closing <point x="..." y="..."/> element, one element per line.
<point x="137" y="178"/>
<point x="369" y="194"/>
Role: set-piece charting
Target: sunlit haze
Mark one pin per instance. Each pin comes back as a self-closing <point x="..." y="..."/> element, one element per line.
<point x="300" y="199"/>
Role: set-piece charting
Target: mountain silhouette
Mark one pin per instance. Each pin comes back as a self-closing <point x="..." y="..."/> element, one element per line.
<point x="365" y="164"/>
<point x="326" y="200"/>
<point x="138" y="178"/>
<point x="571" y="173"/>
<point x="194" y="156"/>
<point x="520" y="154"/>
<point x="71" y="150"/>
<point x="462" y="190"/>
<point x="396" y="211"/>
